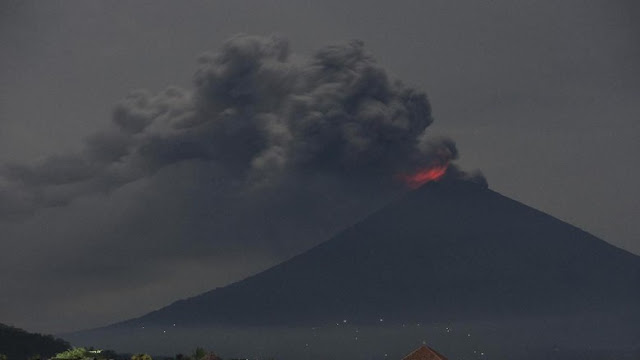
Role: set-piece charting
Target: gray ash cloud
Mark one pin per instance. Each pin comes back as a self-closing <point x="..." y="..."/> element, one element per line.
<point x="267" y="154"/>
<point x="260" y="116"/>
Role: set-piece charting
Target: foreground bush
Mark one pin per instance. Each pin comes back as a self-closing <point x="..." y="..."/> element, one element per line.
<point x="141" y="357"/>
<point x="73" y="354"/>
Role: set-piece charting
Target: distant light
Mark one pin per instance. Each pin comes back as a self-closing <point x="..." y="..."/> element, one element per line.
<point x="344" y="321"/>
<point x="381" y="319"/>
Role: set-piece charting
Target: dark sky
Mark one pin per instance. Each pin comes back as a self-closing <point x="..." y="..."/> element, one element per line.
<point x="541" y="96"/>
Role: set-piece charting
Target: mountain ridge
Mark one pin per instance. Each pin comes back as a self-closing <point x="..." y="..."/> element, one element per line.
<point x="16" y="343"/>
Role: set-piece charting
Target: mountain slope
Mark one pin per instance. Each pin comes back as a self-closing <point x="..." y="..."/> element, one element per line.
<point x="18" y="344"/>
<point x="451" y="250"/>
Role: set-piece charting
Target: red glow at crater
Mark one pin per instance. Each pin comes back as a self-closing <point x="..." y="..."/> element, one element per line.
<point x="423" y="176"/>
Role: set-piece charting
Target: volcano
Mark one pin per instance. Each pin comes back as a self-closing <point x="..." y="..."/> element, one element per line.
<point x="449" y="250"/>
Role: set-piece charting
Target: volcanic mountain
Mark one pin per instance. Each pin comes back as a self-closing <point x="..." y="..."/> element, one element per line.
<point x="450" y="250"/>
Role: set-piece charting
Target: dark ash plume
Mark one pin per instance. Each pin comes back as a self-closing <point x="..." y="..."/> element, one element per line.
<point x="261" y="117"/>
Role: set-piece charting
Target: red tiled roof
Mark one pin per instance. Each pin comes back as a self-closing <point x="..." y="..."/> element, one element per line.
<point x="424" y="353"/>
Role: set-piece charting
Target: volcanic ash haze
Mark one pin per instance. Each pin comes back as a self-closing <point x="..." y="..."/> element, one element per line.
<point x="261" y="118"/>
<point x="262" y="158"/>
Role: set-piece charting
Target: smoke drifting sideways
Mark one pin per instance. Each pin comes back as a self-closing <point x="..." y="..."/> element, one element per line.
<point x="267" y="154"/>
<point x="264" y="121"/>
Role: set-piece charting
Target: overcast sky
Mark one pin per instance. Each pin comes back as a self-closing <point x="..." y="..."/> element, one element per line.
<point x="541" y="96"/>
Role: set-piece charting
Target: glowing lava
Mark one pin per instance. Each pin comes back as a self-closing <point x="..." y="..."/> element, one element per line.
<point x="423" y="176"/>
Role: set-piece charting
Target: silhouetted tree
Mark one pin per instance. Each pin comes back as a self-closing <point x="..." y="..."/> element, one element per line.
<point x="199" y="353"/>
<point x="78" y="353"/>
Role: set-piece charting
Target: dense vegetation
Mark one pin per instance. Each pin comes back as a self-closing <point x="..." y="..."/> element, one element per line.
<point x="80" y="353"/>
<point x="17" y="344"/>
<point x="90" y="354"/>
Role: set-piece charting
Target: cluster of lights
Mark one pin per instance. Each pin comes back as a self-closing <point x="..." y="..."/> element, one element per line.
<point x="344" y="321"/>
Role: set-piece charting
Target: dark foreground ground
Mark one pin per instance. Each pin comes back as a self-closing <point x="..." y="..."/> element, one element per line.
<point x="593" y="337"/>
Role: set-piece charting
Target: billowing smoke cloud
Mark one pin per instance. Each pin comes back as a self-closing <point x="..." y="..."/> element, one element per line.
<point x="260" y="116"/>
<point x="267" y="155"/>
